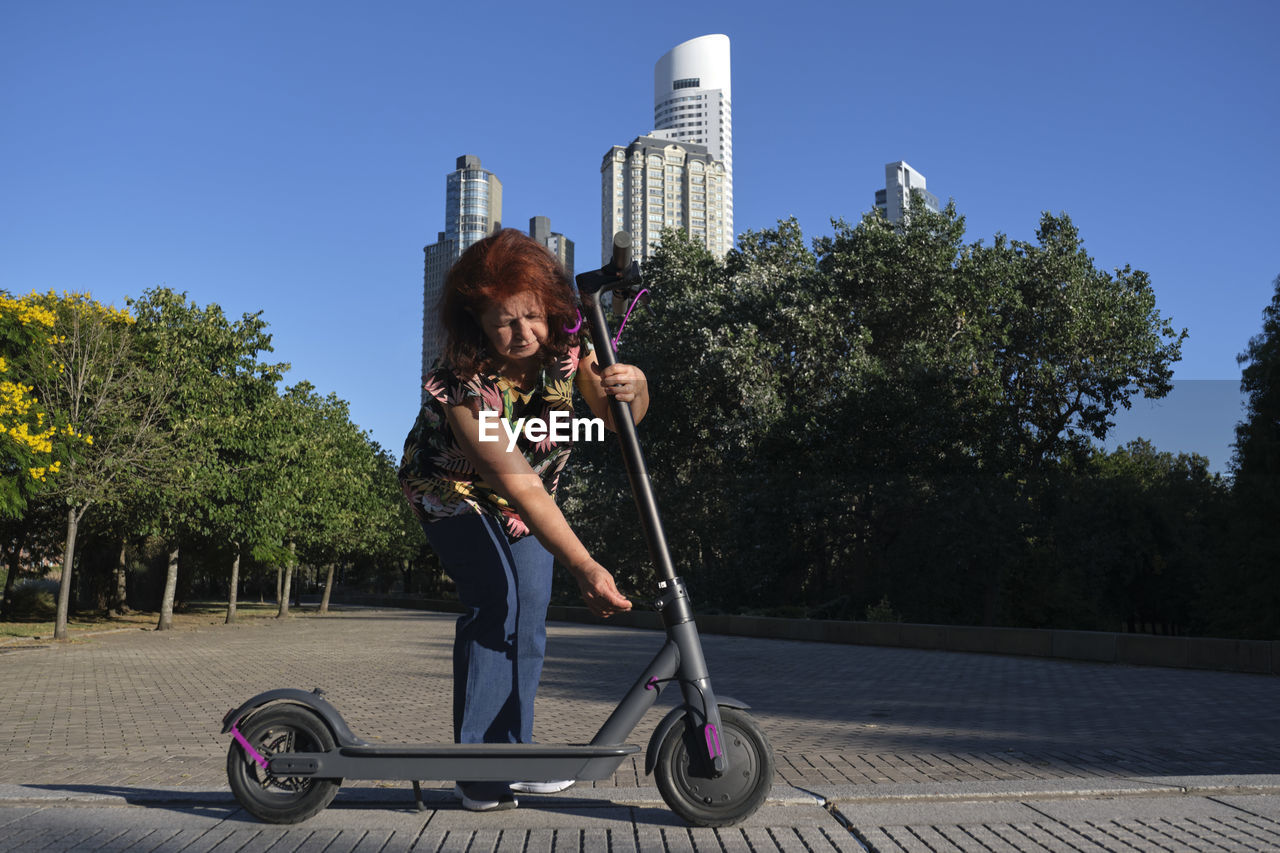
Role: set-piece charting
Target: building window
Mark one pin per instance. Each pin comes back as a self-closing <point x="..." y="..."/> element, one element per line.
<point x="687" y="83"/>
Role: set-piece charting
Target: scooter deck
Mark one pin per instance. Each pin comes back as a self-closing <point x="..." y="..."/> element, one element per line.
<point x="457" y="762"/>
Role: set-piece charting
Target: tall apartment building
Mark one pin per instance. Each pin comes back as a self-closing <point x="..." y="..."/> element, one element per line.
<point x="472" y="211"/>
<point x="558" y="244"/>
<point x="899" y="180"/>
<point x="656" y="183"/>
<point x="692" y="103"/>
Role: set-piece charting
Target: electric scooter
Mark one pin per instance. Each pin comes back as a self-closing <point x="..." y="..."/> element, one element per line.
<point x="713" y="765"/>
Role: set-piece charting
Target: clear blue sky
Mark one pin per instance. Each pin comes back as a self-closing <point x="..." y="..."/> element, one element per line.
<point x="290" y="156"/>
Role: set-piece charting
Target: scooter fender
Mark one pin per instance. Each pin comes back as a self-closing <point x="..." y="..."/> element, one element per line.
<point x="313" y="700"/>
<point x="672" y="719"/>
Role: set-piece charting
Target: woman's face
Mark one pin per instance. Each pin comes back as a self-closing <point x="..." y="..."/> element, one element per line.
<point x="516" y="327"/>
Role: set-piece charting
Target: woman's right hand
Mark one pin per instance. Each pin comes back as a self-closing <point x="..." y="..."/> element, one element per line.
<point x="599" y="591"/>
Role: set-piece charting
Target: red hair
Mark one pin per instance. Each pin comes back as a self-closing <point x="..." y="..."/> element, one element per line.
<point x="492" y="270"/>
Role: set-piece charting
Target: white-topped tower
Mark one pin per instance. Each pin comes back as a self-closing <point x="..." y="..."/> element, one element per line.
<point x="900" y="180"/>
<point x="692" y="103"/>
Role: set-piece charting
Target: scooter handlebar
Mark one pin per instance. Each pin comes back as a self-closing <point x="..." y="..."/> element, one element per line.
<point x="621" y="260"/>
<point x="619" y="274"/>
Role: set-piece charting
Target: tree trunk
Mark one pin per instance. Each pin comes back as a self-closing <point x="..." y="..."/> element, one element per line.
<point x="64" y="589"/>
<point x="328" y="590"/>
<point x="235" y="584"/>
<point x="279" y="583"/>
<point x="288" y="581"/>
<point x="14" y="561"/>
<point x="118" y="603"/>
<point x="170" y="589"/>
<point x="283" y="610"/>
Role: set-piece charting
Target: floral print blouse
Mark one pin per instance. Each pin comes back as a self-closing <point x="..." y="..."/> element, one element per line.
<point x="435" y="475"/>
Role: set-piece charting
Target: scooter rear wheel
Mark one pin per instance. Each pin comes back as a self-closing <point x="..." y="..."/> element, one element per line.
<point x="685" y="779"/>
<point x="280" y="799"/>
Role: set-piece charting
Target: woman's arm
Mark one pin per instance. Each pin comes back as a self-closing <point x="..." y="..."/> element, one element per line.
<point x="508" y="473"/>
<point x="626" y="382"/>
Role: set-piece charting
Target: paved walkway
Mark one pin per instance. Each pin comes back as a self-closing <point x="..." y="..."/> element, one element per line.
<point x="114" y="744"/>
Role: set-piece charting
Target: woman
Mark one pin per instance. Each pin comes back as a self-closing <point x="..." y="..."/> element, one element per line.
<point x="489" y="508"/>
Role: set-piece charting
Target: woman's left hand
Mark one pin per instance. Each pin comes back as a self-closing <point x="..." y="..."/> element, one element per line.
<point x="625" y="382"/>
<point x="598" y="589"/>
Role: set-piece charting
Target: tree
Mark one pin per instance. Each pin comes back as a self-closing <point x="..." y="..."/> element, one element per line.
<point x="1248" y="591"/>
<point x="27" y="431"/>
<point x="338" y="497"/>
<point x="219" y="469"/>
<point x="715" y="373"/>
<point x="881" y="416"/>
<point x="1017" y="353"/>
<point x="308" y="507"/>
<point x="107" y="405"/>
<point x="1132" y="543"/>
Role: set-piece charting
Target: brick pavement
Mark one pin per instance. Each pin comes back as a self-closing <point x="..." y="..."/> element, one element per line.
<point x="150" y="703"/>
<point x="137" y="712"/>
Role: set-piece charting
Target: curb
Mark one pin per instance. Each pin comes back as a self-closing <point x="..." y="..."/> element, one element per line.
<point x="1041" y="789"/>
<point x="781" y="794"/>
<point x="398" y="794"/>
<point x="41" y="641"/>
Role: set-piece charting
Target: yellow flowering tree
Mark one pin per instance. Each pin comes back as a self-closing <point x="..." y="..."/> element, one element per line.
<point x="26" y="429"/>
<point x="31" y="437"/>
<point x="104" y="408"/>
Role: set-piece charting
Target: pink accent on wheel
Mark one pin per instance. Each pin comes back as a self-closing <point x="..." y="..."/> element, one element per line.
<point x="713" y="741"/>
<point x="248" y="747"/>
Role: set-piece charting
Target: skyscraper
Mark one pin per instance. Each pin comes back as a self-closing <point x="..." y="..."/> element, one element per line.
<point x="558" y="244"/>
<point x="654" y="184"/>
<point x="472" y="211"/>
<point x="899" y="180"/>
<point x="692" y="102"/>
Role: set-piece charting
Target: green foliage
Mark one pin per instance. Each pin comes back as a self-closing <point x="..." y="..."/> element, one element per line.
<point x="172" y="429"/>
<point x="1247" y="590"/>
<point x="892" y="415"/>
<point x="26" y="446"/>
<point x="1131" y="542"/>
<point x="882" y="611"/>
<point x="32" y="601"/>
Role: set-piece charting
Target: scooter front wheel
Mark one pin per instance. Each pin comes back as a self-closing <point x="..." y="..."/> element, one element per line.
<point x="280" y="799"/>
<point x="688" y="785"/>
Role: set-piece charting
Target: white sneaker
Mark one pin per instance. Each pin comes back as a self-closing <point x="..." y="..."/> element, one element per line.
<point x="542" y="787"/>
<point x="508" y="801"/>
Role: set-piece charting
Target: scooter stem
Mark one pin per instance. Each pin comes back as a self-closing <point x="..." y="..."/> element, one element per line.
<point x="684" y="649"/>
<point x="616" y="274"/>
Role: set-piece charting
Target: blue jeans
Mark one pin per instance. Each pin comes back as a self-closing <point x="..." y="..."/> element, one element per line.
<point x="501" y="638"/>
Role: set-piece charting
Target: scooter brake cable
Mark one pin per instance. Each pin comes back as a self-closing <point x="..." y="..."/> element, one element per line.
<point x="634" y="302"/>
